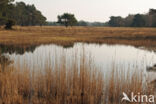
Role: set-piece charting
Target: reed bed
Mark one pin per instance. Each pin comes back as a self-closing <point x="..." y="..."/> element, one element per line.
<point x="81" y="83"/>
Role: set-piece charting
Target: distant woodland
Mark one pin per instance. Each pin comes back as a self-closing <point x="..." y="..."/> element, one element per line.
<point x="137" y="20"/>
<point x="132" y="20"/>
<point x="23" y="14"/>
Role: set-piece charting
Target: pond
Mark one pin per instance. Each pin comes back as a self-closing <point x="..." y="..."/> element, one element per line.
<point x="105" y="57"/>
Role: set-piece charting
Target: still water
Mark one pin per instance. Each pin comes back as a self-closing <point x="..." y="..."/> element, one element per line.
<point x="104" y="56"/>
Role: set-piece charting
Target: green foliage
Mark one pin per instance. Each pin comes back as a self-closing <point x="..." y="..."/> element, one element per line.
<point x="116" y="21"/>
<point x="28" y="15"/>
<point x="67" y="19"/>
<point x="128" y="20"/>
<point x="153" y="19"/>
<point x="3" y="20"/>
<point x="4" y="5"/>
<point x="4" y="11"/>
<point x="24" y="15"/>
<point x="82" y="23"/>
<point x="9" y="24"/>
<point x="152" y="12"/>
<point x="138" y="21"/>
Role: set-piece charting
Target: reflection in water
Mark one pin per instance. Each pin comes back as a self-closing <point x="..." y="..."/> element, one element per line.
<point x="149" y="48"/>
<point x="16" y="49"/>
<point x="119" y="63"/>
<point x="153" y="68"/>
<point x="104" y="56"/>
<point x="4" y="62"/>
<point x="11" y="49"/>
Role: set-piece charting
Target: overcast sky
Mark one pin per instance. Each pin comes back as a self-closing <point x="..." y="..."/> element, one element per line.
<point x="91" y="10"/>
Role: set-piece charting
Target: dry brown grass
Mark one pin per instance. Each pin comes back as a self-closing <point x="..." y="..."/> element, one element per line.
<point x="68" y="84"/>
<point x="77" y="84"/>
<point x="67" y="36"/>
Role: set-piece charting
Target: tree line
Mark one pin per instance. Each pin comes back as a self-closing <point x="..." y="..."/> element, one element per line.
<point x="19" y="13"/>
<point x="79" y="23"/>
<point x="23" y="14"/>
<point x="68" y="19"/>
<point x="137" y="20"/>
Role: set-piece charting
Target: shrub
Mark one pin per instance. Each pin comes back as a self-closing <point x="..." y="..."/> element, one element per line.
<point x="9" y="24"/>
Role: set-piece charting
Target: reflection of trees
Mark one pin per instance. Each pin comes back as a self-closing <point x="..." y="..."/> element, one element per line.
<point x="4" y="62"/>
<point x="68" y="46"/>
<point x="151" y="49"/>
<point x="151" y="69"/>
<point x="16" y="49"/>
<point x="5" y="59"/>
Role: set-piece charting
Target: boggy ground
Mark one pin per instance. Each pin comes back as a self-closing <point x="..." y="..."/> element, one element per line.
<point x="36" y="35"/>
<point x="77" y="84"/>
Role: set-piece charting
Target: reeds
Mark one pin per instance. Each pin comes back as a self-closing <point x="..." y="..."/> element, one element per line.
<point x="36" y="35"/>
<point x="78" y="83"/>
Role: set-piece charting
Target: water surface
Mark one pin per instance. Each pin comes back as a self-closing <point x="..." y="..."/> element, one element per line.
<point x="106" y="57"/>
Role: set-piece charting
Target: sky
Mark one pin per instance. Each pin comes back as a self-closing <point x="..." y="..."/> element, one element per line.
<point x="91" y="10"/>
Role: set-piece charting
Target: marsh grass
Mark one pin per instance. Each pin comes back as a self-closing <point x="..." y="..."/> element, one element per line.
<point x="77" y="83"/>
<point x="36" y="35"/>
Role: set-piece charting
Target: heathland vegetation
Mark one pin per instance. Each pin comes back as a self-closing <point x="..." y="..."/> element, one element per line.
<point x="26" y="36"/>
<point x="81" y="82"/>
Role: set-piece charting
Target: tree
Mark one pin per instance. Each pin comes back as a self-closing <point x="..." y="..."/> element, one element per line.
<point x="82" y="23"/>
<point x="25" y="15"/>
<point x="67" y="19"/>
<point x="128" y="20"/>
<point x="28" y="15"/>
<point x="4" y="4"/>
<point x="2" y="21"/>
<point x="138" y="21"/>
<point x="4" y="7"/>
<point x="152" y="17"/>
<point x="116" y="21"/>
<point x="152" y="11"/>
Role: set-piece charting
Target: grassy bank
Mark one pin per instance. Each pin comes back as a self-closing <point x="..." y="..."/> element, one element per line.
<point x="68" y="36"/>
